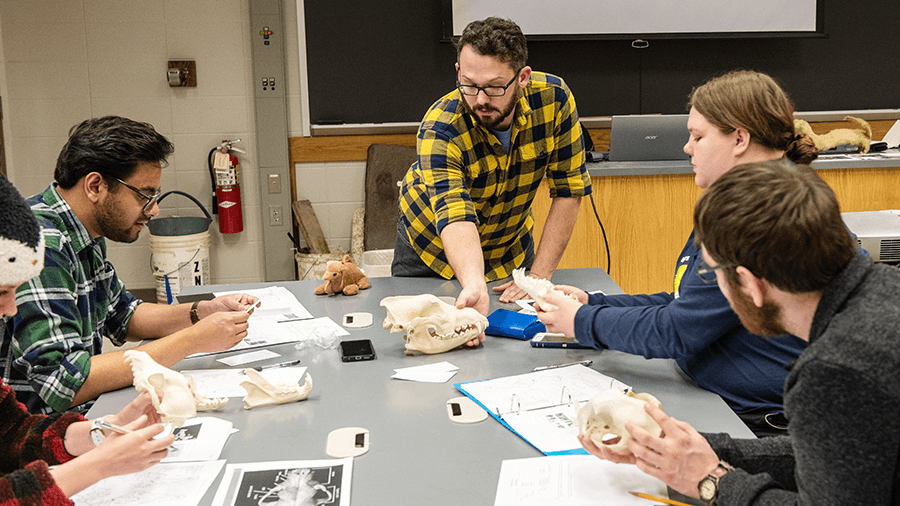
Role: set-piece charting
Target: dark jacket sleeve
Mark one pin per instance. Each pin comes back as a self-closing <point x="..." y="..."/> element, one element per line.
<point x="658" y="325"/>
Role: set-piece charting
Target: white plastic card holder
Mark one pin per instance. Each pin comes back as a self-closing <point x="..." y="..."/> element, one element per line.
<point x="464" y="410"/>
<point x="347" y="442"/>
<point x="357" y="320"/>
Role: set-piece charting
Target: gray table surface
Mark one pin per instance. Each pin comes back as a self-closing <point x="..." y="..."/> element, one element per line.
<point x="417" y="455"/>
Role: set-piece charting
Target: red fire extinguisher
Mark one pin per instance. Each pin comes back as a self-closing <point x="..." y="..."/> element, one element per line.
<point x="224" y="172"/>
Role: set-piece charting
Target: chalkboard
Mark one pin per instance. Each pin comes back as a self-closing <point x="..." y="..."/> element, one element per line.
<point x="383" y="61"/>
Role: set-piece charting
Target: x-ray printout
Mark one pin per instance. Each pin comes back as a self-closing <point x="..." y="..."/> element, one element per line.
<point x="297" y="482"/>
<point x="200" y="438"/>
<point x="176" y="484"/>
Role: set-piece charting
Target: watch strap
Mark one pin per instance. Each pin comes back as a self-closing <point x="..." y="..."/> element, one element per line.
<point x="713" y="477"/>
<point x="97" y="435"/>
<point x="195" y="317"/>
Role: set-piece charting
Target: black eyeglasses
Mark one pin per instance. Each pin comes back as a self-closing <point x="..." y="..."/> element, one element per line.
<point x="706" y="273"/>
<point x="492" y="91"/>
<point x="150" y="198"/>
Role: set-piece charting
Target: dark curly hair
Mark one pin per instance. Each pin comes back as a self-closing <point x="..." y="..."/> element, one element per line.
<point x="112" y="146"/>
<point x="495" y="37"/>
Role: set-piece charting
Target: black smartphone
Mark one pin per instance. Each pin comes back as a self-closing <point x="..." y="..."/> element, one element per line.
<point x="354" y="351"/>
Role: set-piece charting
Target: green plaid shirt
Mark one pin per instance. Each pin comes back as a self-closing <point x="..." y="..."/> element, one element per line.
<point x="464" y="174"/>
<point x="63" y="313"/>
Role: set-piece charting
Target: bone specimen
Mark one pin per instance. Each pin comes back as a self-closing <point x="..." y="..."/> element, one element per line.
<point x="536" y="288"/>
<point x="177" y="403"/>
<point x="603" y="417"/>
<point x="262" y="392"/>
<point x="431" y="325"/>
<point x="203" y="402"/>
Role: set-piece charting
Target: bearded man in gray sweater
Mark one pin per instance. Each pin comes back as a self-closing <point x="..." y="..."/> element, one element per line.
<point x="772" y="235"/>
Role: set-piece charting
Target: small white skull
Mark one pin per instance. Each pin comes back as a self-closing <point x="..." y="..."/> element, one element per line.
<point x="431" y="325"/>
<point x="178" y="403"/>
<point x="603" y="417"/>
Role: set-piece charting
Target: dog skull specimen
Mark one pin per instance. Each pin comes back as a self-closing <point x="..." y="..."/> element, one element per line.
<point x="535" y="288"/>
<point x="431" y="325"/>
<point x="262" y="392"/>
<point x="178" y="403"/>
<point x="605" y="415"/>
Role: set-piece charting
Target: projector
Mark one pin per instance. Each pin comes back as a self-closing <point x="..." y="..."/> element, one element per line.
<point x="878" y="232"/>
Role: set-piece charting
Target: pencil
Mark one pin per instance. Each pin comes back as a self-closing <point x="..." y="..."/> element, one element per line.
<point x="660" y="499"/>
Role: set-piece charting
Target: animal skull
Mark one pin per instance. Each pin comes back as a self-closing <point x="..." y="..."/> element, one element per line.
<point x="178" y="403"/>
<point x="431" y="325"/>
<point x="605" y="415"/>
<point x="535" y="288"/>
<point x="261" y="392"/>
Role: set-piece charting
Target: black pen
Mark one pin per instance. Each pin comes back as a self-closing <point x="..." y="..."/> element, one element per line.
<point x="273" y="366"/>
<point x="580" y="362"/>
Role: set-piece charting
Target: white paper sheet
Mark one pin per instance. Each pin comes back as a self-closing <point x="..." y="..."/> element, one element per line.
<point x="440" y="372"/>
<point x="176" y="484"/>
<point x="246" y="358"/>
<point x="573" y="480"/>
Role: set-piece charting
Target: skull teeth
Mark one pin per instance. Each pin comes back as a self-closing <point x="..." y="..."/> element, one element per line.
<point x="459" y="331"/>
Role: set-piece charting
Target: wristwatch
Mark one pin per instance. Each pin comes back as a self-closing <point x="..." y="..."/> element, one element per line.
<point x="97" y="435"/>
<point x="194" y="316"/>
<point x="709" y="486"/>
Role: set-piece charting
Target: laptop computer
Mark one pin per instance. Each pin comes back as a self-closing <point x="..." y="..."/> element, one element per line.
<point x="648" y="138"/>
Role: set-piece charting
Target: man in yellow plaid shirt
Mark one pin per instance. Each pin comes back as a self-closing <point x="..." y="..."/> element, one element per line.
<point x="483" y="149"/>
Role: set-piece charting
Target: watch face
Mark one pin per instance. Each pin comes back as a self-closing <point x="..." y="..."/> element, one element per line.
<point x="707" y="489"/>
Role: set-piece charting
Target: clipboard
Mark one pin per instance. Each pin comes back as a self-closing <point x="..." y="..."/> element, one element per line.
<point x="539" y="406"/>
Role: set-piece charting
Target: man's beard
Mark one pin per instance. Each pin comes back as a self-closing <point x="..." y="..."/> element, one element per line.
<point x="110" y="224"/>
<point x="492" y="123"/>
<point x="762" y="321"/>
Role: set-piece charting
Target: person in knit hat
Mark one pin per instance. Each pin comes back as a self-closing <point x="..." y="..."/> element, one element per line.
<point x="82" y="452"/>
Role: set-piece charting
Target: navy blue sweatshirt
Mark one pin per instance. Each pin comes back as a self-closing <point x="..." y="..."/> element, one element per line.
<point x="695" y="326"/>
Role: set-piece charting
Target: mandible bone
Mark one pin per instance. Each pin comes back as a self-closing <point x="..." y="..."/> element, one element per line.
<point x="431" y="325"/>
<point x="262" y="392"/>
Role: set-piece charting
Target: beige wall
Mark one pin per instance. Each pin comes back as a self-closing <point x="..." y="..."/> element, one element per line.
<point x="67" y="60"/>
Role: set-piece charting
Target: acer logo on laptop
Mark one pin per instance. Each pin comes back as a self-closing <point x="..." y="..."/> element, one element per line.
<point x="650" y="137"/>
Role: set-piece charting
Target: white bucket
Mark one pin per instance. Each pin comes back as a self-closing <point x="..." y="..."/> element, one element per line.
<point x="179" y="261"/>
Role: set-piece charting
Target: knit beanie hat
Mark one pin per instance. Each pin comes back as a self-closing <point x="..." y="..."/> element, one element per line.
<point x="21" y="242"/>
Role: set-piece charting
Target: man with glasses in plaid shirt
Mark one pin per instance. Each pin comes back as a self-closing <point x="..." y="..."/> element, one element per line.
<point x="107" y="184"/>
<point x="483" y="150"/>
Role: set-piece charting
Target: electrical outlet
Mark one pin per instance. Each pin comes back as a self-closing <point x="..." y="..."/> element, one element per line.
<point x="276" y="216"/>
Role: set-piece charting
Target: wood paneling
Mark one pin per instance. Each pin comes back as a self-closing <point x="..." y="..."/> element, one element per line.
<point x="649" y="218"/>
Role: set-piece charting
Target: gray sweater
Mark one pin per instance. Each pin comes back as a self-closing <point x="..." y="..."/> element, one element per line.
<point x="842" y="399"/>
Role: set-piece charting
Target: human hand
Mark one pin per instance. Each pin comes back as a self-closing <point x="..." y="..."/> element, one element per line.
<point x="511" y="292"/>
<point x="573" y="291"/>
<point x="680" y="458"/>
<point x="475" y="297"/>
<point x="120" y="454"/>
<point x="228" y="302"/>
<point x="220" y="331"/>
<point x="141" y="405"/>
<point x="622" y="457"/>
<point x="562" y="320"/>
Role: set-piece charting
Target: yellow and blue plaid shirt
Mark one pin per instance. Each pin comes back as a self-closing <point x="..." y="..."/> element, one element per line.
<point x="464" y="174"/>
